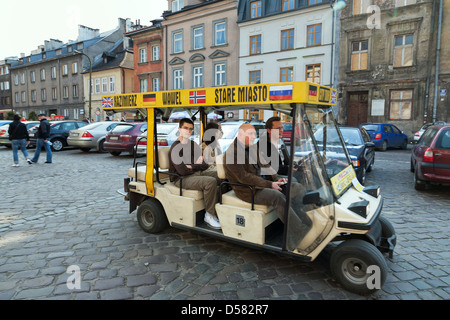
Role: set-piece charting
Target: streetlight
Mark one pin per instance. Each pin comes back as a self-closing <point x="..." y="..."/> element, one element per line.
<point x="90" y="80"/>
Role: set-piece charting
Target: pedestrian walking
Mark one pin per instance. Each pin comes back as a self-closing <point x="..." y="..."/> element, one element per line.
<point x="43" y="134"/>
<point x="18" y="134"/>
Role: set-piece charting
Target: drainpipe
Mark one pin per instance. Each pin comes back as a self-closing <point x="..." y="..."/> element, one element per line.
<point x="427" y="87"/>
<point x="438" y="53"/>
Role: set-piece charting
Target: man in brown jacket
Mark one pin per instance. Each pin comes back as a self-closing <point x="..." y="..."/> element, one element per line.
<point x="186" y="160"/>
<point x="242" y="165"/>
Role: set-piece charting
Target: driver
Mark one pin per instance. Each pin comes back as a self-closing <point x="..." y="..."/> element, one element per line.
<point x="242" y="166"/>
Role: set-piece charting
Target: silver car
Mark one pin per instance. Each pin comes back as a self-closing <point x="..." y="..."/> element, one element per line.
<point x="91" y="136"/>
<point x="4" y="135"/>
<point x="164" y="130"/>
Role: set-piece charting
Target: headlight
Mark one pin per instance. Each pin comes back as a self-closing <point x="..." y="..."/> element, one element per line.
<point x="360" y="208"/>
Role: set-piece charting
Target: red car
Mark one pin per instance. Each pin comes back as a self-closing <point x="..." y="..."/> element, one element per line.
<point x="430" y="158"/>
<point x="123" y="137"/>
<point x="287" y="131"/>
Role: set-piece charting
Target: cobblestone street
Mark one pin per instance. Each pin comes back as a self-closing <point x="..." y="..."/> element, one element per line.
<point x="68" y="213"/>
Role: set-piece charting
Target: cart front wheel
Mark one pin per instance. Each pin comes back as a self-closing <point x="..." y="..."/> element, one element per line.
<point x="151" y="216"/>
<point x="359" y="266"/>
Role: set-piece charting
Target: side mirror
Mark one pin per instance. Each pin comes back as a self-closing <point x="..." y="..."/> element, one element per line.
<point x="312" y="197"/>
<point x="370" y="144"/>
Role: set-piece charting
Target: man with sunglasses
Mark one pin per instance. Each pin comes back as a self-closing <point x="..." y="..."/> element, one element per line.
<point x="186" y="160"/>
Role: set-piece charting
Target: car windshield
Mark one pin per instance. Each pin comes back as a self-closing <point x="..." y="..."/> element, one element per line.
<point x="229" y="131"/>
<point x="371" y="127"/>
<point x="352" y="136"/>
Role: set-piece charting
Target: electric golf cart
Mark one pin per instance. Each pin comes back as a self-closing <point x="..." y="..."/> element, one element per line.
<point x="338" y="209"/>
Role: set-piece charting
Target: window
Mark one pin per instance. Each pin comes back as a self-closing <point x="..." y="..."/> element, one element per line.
<point x="220" y="75"/>
<point x="16" y="97"/>
<point x="177" y="43"/>
<point x="198" y="38"/>
<point x="65" y="92"/>
<point x="254" y="77"/>
<point x="42" y="74"/>
<point x="255" y="44"/>
<point x="69" y="49"/>
<point x="75" y="90"/>
<point x="310" y="2"/>
<point x="220" y="33"/>
<point x="313" y="73"/>
<point x="58" y="52"/>
<point x="177" y="5"/>
<point x="178" y="79"/>
<point x="33" y="76"/>
<point x="142" y="55"/>
<point x="104" y="84"/>
<point x="360" y="55"/>
<point x="16" y="79"/>
<point x="97" y="85"/>
<point x="24" y="96"/>
<point x="65" y="70"/>
<point x="360" y="6"/>
<point x="43" y="94"/>
<point x="287" y="5"/>
<point x="197" y="77"/>
<point x="22" y="78"/>
<point x="33" y="95"/>
<point x="155" y="53"/>
<point x="53" y="72"/>
<point x="314" y="34"/>
<point x="287" y="39"/>
<point x="143" y="85"/>
<point x="402" y="3"/>
<point x="156" y="84"/>
<point x="255" y="9"/>
<point x="54" y="93"/>
<point x="403" y="51"/>
<point x="80" y="46"/>
<point x="112" y="84"/>
<point x="400" y="104"/>
<point x="286" y="74"/>
<point x="74" y="67"/>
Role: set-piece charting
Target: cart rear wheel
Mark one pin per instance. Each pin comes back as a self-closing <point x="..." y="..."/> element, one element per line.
<point x="151" y="216"/>
<point x="350" y="262"/>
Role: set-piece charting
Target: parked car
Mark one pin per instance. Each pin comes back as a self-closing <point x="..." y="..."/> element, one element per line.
<point x="59" y="131"/>
<point x="91" y="136"/>
<point x="163" y="130"/>
<point x="230" y="131"/>
<point x="287" y="132"/>
<point x="386" y="135"/>
<point x="430" y="158"/>
<point x="123" y="137"/>
<point x="4" y="135"/>
<point x="361" y="150"/>
<point x="3" y="122"/>
<point x="419" y="133"/>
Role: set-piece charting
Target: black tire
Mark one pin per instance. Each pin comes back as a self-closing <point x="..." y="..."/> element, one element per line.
<point x="362" y="177"/>
<point x="151" y="216"/>
<point x="85" y="149"/>
<point x="419" y="185"/>
<point x="57" y="145"/>
<point x="349" y="264"/>
<point x="370" y="168"/>
<point x="384" y="146"/>
<point x="411" y="166"/>
<point x="405" y="145"/>
<point x="115" y="153"/>
<point x="101" y="148"/>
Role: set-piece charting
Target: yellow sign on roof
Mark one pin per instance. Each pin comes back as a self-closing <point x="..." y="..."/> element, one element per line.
<point x="243" y="95"/>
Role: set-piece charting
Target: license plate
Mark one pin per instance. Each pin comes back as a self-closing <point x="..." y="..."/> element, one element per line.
<point x="74" y="134"/>
<point x="113" y="138"/>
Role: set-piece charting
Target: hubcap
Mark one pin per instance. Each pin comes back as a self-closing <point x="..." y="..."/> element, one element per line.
<point x="354" y="270"/>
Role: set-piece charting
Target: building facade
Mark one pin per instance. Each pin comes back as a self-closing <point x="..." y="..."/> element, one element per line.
<point x="5" y="86"/>
<point x="50" y="80"/>
<point x="387" y="61"/>
<point x="284" y="41"/>
<point x="201" y="41"/>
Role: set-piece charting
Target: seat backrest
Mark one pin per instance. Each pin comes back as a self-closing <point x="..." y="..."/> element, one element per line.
<point x="163" y="158"/>
<point x="220" y="166"/>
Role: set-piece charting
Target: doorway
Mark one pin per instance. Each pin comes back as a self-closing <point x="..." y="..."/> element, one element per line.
<point x="357" y="109"/>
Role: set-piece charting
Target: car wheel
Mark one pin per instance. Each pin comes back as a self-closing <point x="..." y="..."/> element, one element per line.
<point x="115" y="153"/>
<point x="101" y="148"/>
<point x="350" y="263"/>
<point x="362" y="177"/>
<point x="405" y="145"/>
<point x="370" y="168"/>
<point x="418" y="184"/>
<point x="384" y="146"/>
<point x="85" y="149"/>
<point x="411" y="166"/>
<point x="151" y="216"/>
<point x="57" y="145"/>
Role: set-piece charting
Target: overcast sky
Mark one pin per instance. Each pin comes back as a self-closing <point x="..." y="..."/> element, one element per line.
<point x="25" y="25"/>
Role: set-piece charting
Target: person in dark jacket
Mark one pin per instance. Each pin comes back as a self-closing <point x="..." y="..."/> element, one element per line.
<point x="18" y="134"/>
<point x="43" y="134"/>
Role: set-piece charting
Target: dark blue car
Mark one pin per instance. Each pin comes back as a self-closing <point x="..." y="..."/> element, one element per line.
<point x="386" y="135"/>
